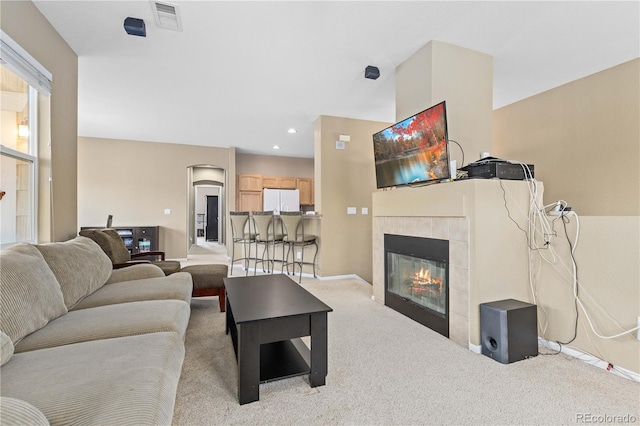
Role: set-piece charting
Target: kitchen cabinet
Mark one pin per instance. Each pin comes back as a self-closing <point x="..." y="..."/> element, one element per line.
<point x="279" y="182"/>
<point x="250" y="186"/>
<point x="305" y="186"/>
<point x="249" y="182"/>
<point x="249" y="192"/>
<point x="269" y="182"/>
<point x="287" y="183"/>
<point x="248" y="201"/>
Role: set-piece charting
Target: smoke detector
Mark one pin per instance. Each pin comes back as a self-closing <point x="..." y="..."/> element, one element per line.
<point x="167" y="15"/>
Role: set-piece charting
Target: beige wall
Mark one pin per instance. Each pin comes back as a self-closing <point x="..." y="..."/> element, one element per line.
<point x="22" y="21"/>
<point x="271" y="165"/>
<point x="584" y="140"/>
<point x="441" y="72"/>
<point x="607" y="256"/>
<point x="136" y="181"/>
<point x="208" y="175"/>
<point x="345" y="178"/>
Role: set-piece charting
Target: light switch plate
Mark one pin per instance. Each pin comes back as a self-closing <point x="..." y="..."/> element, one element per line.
<point x="351" y="210"/>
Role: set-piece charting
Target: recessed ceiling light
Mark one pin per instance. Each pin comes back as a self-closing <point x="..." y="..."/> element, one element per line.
<point x="276" y="147"/>
<point x="292" y="130"/>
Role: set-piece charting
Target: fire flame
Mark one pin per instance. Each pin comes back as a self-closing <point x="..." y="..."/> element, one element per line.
<point x="423" y="279"/>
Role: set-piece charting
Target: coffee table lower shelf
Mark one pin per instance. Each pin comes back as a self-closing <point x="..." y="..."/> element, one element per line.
<point x="266" y="316"/>
<point x="284" y="359"/>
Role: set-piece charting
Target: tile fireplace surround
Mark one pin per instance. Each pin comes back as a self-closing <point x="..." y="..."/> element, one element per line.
<point x="454" y="229"/>
<point x="487" y="251"/>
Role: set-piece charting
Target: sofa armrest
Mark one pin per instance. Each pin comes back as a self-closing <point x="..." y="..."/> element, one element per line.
<point x="159" y="254"/>
<point x="18" y="412"/>
<point x="135" y="272"/>
<point x="130" y="263"/>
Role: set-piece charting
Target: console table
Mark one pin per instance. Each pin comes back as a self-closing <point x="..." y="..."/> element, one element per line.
<point x="266" y="315"/>
<point x="137" y="239"/>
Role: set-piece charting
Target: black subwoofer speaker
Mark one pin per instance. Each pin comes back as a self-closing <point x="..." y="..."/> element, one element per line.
<point x="508" y="330"/>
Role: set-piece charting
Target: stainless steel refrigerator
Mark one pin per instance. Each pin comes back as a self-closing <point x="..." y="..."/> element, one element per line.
<point x="281" y="200"/>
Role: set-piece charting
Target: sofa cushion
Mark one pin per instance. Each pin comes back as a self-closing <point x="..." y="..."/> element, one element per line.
<point x="135" y="272"/>
<point x="122" y="381"/>
<point x="6" y="348"/>
<point x="107" y="322"/>
<point x="16" y="412"/>
<point x="31" y="295"/>
<point x="80" y="266"/>
<point x="110" y="242"/>
<point x="175" y="286"/>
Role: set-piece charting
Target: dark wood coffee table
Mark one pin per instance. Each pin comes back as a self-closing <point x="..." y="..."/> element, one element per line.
<point x="266" y="315"/>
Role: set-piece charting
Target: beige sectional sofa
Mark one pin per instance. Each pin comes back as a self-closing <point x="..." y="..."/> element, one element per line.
<point x="84" y="344"/>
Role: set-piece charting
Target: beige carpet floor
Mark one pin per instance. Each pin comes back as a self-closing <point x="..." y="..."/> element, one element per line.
<point x="385" y="369"/>
<point x="204" y="252"/>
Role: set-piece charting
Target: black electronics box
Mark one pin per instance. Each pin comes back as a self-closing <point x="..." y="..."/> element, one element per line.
<point x="508" y="330"/>
<point x="500" y="170"/>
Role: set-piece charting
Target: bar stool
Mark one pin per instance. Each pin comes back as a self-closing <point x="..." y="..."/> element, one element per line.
<point x="293" y="227"/>
<point x="241" y="234"/>
<point x="266" y="234"/>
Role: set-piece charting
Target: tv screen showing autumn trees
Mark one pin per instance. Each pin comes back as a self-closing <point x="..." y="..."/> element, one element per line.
<point x="413" y="150"/>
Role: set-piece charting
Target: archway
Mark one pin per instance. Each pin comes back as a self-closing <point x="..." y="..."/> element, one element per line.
<point x="206" y="181"/>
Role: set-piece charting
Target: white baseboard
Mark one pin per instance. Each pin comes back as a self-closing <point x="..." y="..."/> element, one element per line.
<point x="307" y="275"/>
<point x="590" y="359"/>
<point x="581" y="356"/>
<point x="475" y="348"/>
<point x="340" y="277"/>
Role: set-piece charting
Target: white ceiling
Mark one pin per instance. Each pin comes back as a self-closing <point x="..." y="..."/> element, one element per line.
<point x="242" y="73"/>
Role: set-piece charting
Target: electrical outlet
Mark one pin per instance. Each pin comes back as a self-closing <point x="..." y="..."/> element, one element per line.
<point x="638" y="330"/>
<point x="563" y="211"/>
<point x="298" y="255"/>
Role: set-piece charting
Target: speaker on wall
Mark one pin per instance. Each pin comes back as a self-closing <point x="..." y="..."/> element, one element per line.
<point x="508" y="330"/>
<point x="371" y="72"/>
<point x="135" y="26"/>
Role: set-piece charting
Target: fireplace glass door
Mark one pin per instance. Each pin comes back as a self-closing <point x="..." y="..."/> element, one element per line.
<point x="421" y="281"/>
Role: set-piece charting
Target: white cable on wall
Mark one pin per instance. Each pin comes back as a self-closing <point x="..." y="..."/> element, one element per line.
<point x="539" y="226"/>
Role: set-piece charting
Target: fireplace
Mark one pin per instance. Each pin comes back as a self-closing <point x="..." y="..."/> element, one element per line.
<point x="417" y="279"/>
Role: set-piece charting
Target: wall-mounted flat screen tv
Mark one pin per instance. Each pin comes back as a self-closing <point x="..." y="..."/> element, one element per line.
<point x="413" y="151"/>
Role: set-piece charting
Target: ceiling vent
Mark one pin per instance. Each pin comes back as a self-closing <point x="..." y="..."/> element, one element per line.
<point x="167" y="15"/>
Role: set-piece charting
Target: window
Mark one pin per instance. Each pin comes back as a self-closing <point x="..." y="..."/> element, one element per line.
<point x="22" y="82"/>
